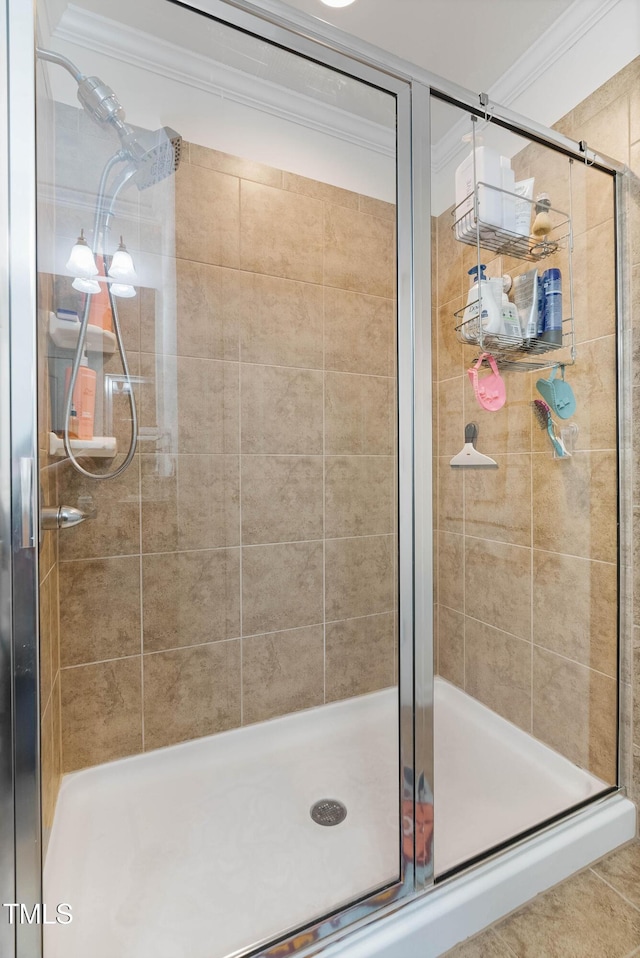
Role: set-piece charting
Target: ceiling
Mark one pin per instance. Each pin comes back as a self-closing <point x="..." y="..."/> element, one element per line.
<point x="530" y="57"/>
<point x="438" y="35"/>
<point x="442" y="35"/>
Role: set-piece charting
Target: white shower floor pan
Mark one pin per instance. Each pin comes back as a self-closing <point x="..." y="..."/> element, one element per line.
<point x="200" y="849"/>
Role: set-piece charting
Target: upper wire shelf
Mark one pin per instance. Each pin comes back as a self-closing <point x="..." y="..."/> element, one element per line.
<point x="469" y="228"/>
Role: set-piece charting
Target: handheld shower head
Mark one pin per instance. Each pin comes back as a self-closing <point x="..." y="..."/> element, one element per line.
<point x="155" y="155"/>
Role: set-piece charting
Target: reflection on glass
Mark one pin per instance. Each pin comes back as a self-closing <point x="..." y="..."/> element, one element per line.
<point x="226" y="651"/>
<point x="525" y="702"/>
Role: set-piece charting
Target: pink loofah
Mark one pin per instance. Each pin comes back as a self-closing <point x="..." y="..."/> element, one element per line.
<point x="490" y="391"/>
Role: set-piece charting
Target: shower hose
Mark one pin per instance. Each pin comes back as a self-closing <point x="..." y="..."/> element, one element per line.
<point x="101" y="226"/>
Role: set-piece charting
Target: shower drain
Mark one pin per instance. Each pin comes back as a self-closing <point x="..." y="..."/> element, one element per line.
<point x="328" y="811"/>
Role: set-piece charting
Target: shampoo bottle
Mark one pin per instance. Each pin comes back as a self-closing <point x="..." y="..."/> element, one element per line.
<point x="495" y="283"/>
<point x="488" y="173"/>
<point x="524" y="192"/>
<point x="481" y="307"/>
<point x="83" y="403"/>
<point x="511" y="321"/>
<point x="540" y="328"/>
<point x="525" y="296"/>
<point x="552" y="298"/>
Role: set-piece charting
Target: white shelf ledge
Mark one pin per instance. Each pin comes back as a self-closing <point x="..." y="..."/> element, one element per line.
<point x="100" y="447"/>
<point x="64" y="333"/>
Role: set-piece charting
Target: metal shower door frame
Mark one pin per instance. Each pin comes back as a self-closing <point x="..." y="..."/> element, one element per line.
<point x="20" y="862"/>
<point x="415" y="524"/>
<point x="7" y="832"/>
<point x="20" y="813"/>
<point x="20" y="838"/>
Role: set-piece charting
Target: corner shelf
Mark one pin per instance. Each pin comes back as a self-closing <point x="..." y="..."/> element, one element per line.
<point x="64" y="333"/>
<point x="100" y="447"/>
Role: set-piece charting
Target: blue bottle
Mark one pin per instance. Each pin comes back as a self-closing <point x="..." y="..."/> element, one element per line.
<point x="552" y="297"/>
<point x="540" y="302"/>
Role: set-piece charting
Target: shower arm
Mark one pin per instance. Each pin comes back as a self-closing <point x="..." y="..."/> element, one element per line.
<point x="52" y="57"/>
<point x="99" y="233"/>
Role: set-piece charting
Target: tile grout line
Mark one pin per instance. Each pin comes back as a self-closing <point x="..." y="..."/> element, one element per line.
<point x="295" y="542"/>
<point x="246" y="362"/>
<point x="616" y="892"/>
<point x="59" y="706"/>
<point x="537" y="645"/>
<point x="573" y="661"/>
<point x="240" y="231"/>
<point x="435" y="398"/>
<point x="464" y="568"/>
<point x="435" y="518"/>
<point x="48" y="702"/>
<point x="518" y="545"/>
<point x="496" y="932"/>
<point x="324" y="471"/>
<point x="229" y="548"/>
<point x="142" y="725"/>
<point x="240" y="537"/>
<point x="56" y="565"/>
<point x="283" y="279"/>
<point x="531" y="569"/>
<point x="525" y="452"/>
<point x="280" y="276"/>
<point x="232" y="638"/>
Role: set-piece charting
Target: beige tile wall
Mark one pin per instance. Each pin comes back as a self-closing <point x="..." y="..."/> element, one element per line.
<point x="527" y="585"/>
<point x="539" y="646"/>
<point x="244" y="566"/>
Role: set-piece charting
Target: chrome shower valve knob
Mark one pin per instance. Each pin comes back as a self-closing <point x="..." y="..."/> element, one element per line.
<point x="61" y="517"/>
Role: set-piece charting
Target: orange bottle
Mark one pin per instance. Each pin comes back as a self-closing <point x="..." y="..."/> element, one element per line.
<point x="100" y="308"/>
<point x="83" y="405"/>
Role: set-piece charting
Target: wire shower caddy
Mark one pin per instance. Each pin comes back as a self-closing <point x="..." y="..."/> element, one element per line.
<point x="513" y="352"/>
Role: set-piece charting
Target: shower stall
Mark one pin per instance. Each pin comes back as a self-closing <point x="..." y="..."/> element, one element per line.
<point x="277" y="678"/>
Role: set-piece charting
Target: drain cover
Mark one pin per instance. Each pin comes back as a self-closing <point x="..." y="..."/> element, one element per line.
<point x="328" y="811"/>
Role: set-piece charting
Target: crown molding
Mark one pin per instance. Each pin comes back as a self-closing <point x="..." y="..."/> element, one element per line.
<point x="67" y="198"/>
<point x="138" y="48"/>
<point x="576" y="21"/>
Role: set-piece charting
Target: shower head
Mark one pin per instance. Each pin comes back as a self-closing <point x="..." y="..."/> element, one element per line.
<point x="155" y="155"/>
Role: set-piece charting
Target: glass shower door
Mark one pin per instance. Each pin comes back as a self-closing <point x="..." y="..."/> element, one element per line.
<point x="527" y="533"/>
<point x="217" y="229"/>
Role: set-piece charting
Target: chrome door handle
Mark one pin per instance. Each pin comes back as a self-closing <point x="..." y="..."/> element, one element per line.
<point x="27" y="504"/>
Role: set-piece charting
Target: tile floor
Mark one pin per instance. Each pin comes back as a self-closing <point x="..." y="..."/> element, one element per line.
<point x="594" y="914"/>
